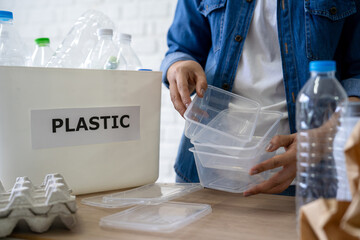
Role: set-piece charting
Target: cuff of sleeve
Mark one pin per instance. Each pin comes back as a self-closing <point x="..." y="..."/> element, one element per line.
<point x="352" y="86"/>
<point x="169" y="60"/>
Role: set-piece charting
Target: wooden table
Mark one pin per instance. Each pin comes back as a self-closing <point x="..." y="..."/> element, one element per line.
<point x="233" y="217"/>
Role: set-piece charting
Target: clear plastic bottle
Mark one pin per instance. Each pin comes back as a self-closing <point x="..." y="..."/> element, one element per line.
<point x="80" y="40"/>
<point x="103" y="54"/>
<point x="127" y="52"/>
<point x="319" y="105"/>
<point x="42" y="52"/>
<point x="347" y="122"/>
<point x="12" y="49"/>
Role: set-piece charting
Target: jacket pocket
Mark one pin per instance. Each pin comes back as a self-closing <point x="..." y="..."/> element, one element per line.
<point x="324" y="21"/>
<point x="214" y="11"/>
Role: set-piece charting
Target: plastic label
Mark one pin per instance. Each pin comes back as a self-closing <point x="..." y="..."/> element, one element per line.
<point x="81" y="126"/>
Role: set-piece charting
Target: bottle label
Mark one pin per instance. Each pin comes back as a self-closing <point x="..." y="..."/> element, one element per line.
<point x="81" y="126"/>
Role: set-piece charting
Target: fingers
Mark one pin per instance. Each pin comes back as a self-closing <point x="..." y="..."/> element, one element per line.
<point x="176" y="99"/>
<point x="201" y="84"/>
<point x="280" y="141"/>
<point x="183" y="89"/>
<point x="276" y="184"/>
<point x="274" y="162"/>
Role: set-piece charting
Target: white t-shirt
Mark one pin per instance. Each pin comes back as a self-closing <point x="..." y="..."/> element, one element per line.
<point x="259" y="74"/>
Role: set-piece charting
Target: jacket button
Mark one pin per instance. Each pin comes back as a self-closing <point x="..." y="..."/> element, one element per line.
<point x="238" y="38"/>
<point x="225" y="86"/>
<point x="333" y="10"/>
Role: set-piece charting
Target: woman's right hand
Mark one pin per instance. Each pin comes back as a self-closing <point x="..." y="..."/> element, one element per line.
<point x="184" y="77"/>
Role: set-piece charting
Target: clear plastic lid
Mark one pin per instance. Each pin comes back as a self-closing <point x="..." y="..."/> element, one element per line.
<point x="165" y="217"/>
<point x="149" y="194"/>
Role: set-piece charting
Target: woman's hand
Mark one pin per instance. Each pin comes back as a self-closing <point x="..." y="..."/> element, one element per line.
<point x="282" y="179"/>
<point x="184" y="77"/>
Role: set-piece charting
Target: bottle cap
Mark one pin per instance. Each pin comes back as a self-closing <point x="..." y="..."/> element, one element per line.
<point x="6" y="16"/>
<point x="42" y="41"/>
<point x="322" y="66"/>
<point x="124" y="36"/>
<point x="105" y="32"/>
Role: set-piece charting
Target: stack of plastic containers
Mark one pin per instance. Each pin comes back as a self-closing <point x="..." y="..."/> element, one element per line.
<point x="229" y="134"/>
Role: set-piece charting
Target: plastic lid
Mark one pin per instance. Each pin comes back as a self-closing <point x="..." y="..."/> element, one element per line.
<point x="42" y="41"/>
<point x="165" y="217"/>
<point x="105" y="32"/>
<point x="149" y="194"/>
<point x="124" y="36"/>
<point x="322" y="66"/>
<point x="6" y="16"/>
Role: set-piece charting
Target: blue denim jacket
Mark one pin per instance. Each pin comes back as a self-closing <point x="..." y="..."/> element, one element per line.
<point x="212" y="32"/>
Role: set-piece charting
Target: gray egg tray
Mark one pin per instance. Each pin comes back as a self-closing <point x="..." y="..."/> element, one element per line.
<point x="38" y="206"/>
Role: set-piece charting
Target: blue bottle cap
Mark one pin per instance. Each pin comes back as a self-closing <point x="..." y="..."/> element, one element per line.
<point x="6" y="15"/>
<point x="144" y="69"/>
<point x="322" y="66"/>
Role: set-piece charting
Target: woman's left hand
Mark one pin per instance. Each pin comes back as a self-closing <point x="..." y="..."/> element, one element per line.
<point x="282" y="179"/>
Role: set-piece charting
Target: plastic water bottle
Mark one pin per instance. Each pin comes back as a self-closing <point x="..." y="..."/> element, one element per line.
<point x="80" y="40"/>
<point x="127" y="52"/>
<point x="12" y="50"/>
<point x="319" y="105"/>
<point x="42" y="52"/>
<point x="347" y="122"/>
<point x="103" y="56"/>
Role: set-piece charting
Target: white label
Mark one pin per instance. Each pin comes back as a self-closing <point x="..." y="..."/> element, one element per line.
<point x="82" y="126"/>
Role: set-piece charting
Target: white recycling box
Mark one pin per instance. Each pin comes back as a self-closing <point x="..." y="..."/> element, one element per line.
<point x="100" y="129"/>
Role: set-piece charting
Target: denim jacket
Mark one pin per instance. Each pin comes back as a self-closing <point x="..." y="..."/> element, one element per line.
<point x="212" y="32"/>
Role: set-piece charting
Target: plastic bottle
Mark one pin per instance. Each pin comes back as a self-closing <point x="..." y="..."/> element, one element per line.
<point x="319" y="105"/>
<point x="103" y="56"/>
<point x="42" y="52"/>
<point x="80" y="40"/>
<point x="347" y="122"/>
<point x="127" y="52"/>
<point x="12" y="50"/>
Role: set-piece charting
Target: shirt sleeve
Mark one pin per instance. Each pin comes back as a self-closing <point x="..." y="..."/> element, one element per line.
<point x="350" y="49"/>
<point x="189" y="36"/>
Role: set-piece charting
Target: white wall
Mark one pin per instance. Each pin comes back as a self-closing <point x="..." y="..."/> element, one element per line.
<point x="147" y="21"/>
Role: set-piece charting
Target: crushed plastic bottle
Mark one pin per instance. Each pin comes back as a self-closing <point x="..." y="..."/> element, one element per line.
<point x="42" y="52"/>
<point x="103" y="54"/>
<point x="80" y="40"/>
<point x="127" y="52"/>
<point x="319" y="105"/>
<point x="12" y="49"/>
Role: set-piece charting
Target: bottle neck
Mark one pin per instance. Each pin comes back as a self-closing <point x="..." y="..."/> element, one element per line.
<point x="106" y="37"/>
<point x="8" y="22"/>
<point x="124" y="41"/>
<point x="44" y="45"/>
<point x="329" y="74"/>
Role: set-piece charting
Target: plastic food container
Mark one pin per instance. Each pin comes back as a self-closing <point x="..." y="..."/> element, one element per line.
<point x="221" y="117"/>
<point x="265" y="129"/>
<point x="227" y="168"/>
<point x="228" y="177"/>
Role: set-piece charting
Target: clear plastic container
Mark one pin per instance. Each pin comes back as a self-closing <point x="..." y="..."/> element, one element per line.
<point x="132" y="62"/>
<point x="149" y="194"/>
<point x="103" y="54"/>
<point x="265" y="129"/>
<point x="228" y="173"/>
<point x="164" y="218"/>
<point x="318" y="108"/>
<point x="42" y="53"/>
<point x="80" y="40"/>
<point x="347" y="123"/>
<point x="221" y="117"/>
<point x="12" y="49"/>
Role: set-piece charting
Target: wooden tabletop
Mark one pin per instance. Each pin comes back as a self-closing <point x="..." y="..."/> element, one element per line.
<point x="233" y="217"/>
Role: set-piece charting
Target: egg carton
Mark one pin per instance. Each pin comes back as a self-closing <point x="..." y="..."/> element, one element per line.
<point x="38" y="206"/>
